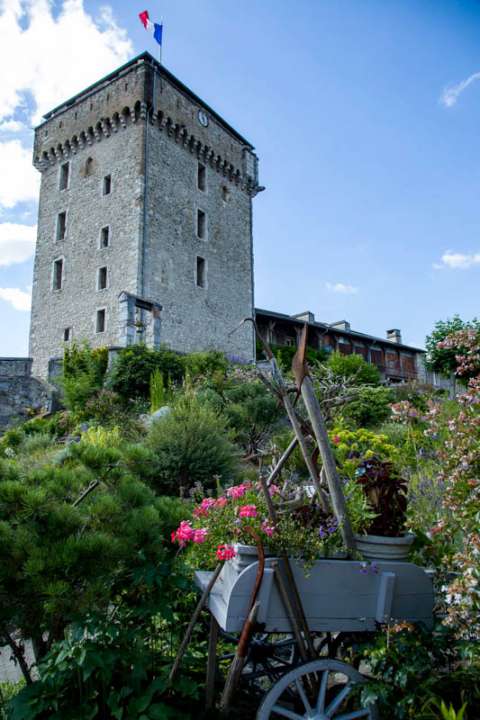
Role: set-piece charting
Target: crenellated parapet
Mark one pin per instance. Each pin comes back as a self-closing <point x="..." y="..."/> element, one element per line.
<point x="246" y="178"/>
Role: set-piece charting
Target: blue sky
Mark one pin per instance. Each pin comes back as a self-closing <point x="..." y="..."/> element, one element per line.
<point x="365" y="116"/>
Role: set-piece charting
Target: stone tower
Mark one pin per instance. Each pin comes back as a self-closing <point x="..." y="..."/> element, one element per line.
<point x="145" y="220"/>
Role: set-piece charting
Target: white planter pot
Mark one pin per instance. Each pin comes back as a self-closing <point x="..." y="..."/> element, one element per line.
<point x="247" y="554"/>
<point x="376" y="547"/>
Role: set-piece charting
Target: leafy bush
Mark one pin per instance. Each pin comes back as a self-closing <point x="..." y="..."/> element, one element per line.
<point x="62" y="557"/>
<point x="355" y="368"/>
<point x="369" y="407"/>
<point x="284" y="355"/>
<point x="352" y="447"/>
<point x="386" y="493"/>
<point x="441" y="356"/>
<point x="414" y="670"/>
<point x="82" y="376"/>
<point x="134" y="366"/>
<point x="252" y="412"/>
<point x="205" y="364"/>
<point x="191" y="446"/>
<point x="108" y="667"/>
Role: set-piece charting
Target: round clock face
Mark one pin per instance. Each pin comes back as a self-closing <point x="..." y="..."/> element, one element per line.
<point x="202" y="118"/>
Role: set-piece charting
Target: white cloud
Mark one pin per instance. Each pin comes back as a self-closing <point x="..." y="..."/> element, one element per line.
<point x="57" y="55"/>
<point x="12" y="126"/>
<point x="19" y="180"/>
<point x="451" y="94"/>
<point x="19" y="299"/>
<point x="457" y="261"/>
<point x="17" y="243"/>
<point x="341" y="288"/>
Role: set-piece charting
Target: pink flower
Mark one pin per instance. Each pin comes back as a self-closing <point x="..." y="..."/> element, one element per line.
<point x="273" y="490"/>
<point x="183" y="534"/>
<point x="267" y="528"/>
<point x="248" y="511"/>
<point x="225" y="552"/>
<point x="204" y="507"/>
<point x="237" y="491"/>
<point x="200" y="535"/>
<point x="221" y="502"/>
<point x="336" y="439"/>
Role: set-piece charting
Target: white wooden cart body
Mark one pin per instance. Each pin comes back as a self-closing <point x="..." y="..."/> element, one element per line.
<point x="337" y="595"/>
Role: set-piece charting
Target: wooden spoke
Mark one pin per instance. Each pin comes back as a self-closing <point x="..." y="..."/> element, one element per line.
<point x="322" y="692"/>
<point x="338" y="700"/>
<point x="303" y="696"/>
<point x="288" y="697"/>
<point x="280" y="710"/>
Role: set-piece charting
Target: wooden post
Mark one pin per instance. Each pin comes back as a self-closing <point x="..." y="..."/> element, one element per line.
<point x="193" y="622"/>
<point x="304" y="448"/>
<point x="235" y="669"/>
<point x="305" y="386"/>
<point x="334" y="484"/>
<point x="211" y="664"/>
<point x="288" y="591"/>
<point x="283" y="459"/>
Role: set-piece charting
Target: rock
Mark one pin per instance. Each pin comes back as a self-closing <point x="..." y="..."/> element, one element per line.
<point x="148" y="420"/>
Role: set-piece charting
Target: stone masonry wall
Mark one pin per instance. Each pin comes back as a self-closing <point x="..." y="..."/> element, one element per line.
<point x="19" y="392"/>
<point x="193" y="317"/>
<point x="142" y="112"/>
<point x="88" y="210"/>
<point x="15" y="367"/>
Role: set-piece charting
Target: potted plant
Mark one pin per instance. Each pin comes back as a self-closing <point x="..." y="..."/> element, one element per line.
<point x="228" y="527"/>
<point x="386" y="493"/>
<point x="225" y="527"/>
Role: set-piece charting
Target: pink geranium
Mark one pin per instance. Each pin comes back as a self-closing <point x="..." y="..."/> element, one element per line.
<point x="200" y="535"/>
<point x="221" y="502"/>
<point x="248" y="511"/>
<point x="204" y="507"/>
<point x="183" y="534"/>
<point x="237" y="491"/>
<point x="267" y="528"/>
<point x="225" y="552"/>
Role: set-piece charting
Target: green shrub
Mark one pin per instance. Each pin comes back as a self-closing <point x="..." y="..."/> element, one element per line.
<point x="252" y="413"/>
<point x="34" y="443"/>
<point x="134" y="366"/>
<point x="412" y="670"/>
<point x="83" y="374"/>
<point x="284" y="355"/>
<point x="205" y="364"/>
<point x="355" y="368"/>
<point x="370" y="407"/>
<point x="160" y="393"/>
<point x="191" y="445"/>
<point x="107" y="666"/>
<point x="7" y="692"/>
<point x="60" y="560"/>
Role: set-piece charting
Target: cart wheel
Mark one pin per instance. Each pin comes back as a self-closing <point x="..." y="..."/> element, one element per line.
<point x="318" y="690"/>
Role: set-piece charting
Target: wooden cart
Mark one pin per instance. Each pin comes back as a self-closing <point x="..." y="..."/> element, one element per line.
<point x="338" y="596"/>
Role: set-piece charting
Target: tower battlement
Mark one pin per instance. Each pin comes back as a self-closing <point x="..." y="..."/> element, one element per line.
<point x="146" y="193"/>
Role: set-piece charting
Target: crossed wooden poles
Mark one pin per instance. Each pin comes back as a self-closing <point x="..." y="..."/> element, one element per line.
<point x="328" y="481"/>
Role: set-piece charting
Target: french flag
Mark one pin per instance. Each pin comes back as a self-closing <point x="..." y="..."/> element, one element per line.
<point x="156" y="28"/>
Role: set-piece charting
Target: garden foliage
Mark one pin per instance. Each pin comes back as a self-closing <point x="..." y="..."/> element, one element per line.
<point x="191" y="445"/>
<point x="89" y="504"/>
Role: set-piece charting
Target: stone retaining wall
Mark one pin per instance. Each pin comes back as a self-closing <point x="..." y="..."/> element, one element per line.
<point x="20" y="393"/>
